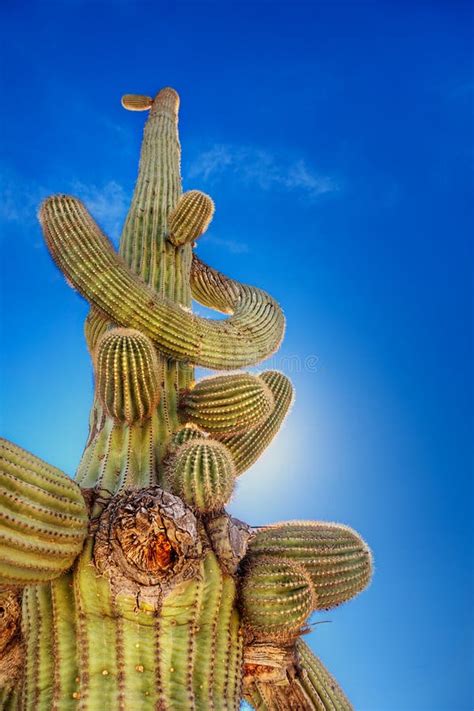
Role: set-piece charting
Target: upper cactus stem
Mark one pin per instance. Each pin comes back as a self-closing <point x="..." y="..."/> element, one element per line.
<point x="143" y="244"/>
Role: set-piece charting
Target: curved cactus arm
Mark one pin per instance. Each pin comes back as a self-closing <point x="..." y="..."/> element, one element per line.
<point x="301" y="684"/>
<point x="211" y="288"/>
<point x="336" y="558"/>
<point x="89" y="262"/>
<point x="227" y="404"/>
<point x="43" y="518"/>
<point x="247" y="447"/>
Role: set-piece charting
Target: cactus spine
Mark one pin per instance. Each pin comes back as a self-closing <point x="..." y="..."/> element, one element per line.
<point x="277" y="598"/>
<point x="202" y="474"/>
<point x="137" y="589"/>
<point x="127" y="375"/>
<point x="190" y="218"/>
<point x="228" y="404"/>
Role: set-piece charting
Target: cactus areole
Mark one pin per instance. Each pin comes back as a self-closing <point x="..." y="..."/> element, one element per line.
<point x="130" y="587"/>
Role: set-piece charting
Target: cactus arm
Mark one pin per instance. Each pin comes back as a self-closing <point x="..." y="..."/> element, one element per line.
<point x="276" y="598"/>
<point x="336" y="558"/>
<point x="301" y="684"/>
<point x="43" y="518"/>
<point x="289" y="570"/>
<point x="211" y="288"/>
<point x="202" y="474"/>
<point x="127" y="375"/>
<point x="87" y="259"/>
<point x="227" y="404"/>
<point x="247" y="447"/>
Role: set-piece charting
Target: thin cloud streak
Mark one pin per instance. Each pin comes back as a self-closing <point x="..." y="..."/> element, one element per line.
<point x="262" y="168"/>
<point x="230" y="245"/>
<point x="107" y="204"/>
<point x="20" y="201"/>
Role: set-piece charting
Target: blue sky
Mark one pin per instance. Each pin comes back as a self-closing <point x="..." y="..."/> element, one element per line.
<point x="336" y="141"/>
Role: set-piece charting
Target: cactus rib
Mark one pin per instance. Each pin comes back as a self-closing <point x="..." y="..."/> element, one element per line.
<point x="247" y="447"/>
<point x="227" y="404"/>
<point x="202" y="474"/>
<point x="127" y="376"/>
<point x="43" y="518"/>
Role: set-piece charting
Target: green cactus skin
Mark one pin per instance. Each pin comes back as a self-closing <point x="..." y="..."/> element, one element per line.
<point x="127" y="381"/>
<point x="227" y="404"/>
<point x="247" y="447"/>
<point x="276" y="598"/>
<point x="43" y="518"/>
<point x="190" y="218"/>
<point x="202" y="474"/>
<point x="96" y="324"/>
<point x="137" y="589"/>
<point x="101" y="652"/>
<point x="338" y="561"/>
<point x="185" y="434"/>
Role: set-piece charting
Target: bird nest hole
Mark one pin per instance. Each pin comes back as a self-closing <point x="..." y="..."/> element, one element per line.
<point x="147" y="538"/>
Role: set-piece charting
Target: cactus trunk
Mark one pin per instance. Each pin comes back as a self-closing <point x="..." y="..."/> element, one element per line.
<point x="137" y="589"/>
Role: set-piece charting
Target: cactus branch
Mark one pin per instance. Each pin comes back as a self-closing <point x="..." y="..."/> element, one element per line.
<point x="87" y="259"/>
<point x="336" y="558"/>
<point x="136" y="102"/>
<point x="248" y="446"/>
<point x="127" y="375"/>
<point x="43" y="518"/>
<point x="190" y="218"/>
<point x="277" y="598"/>
<point x="202" y="474"/>
<point x="227" y="404"/>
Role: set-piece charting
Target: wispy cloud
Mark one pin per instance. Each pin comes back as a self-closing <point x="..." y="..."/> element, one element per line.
<point x="108" y="204"/>
<point x="230" y="245"/>
<point x="20" y="200"/>
<point x="262" y="168"/>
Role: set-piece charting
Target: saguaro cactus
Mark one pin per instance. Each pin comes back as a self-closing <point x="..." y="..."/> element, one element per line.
<point x="131" y="587"/>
